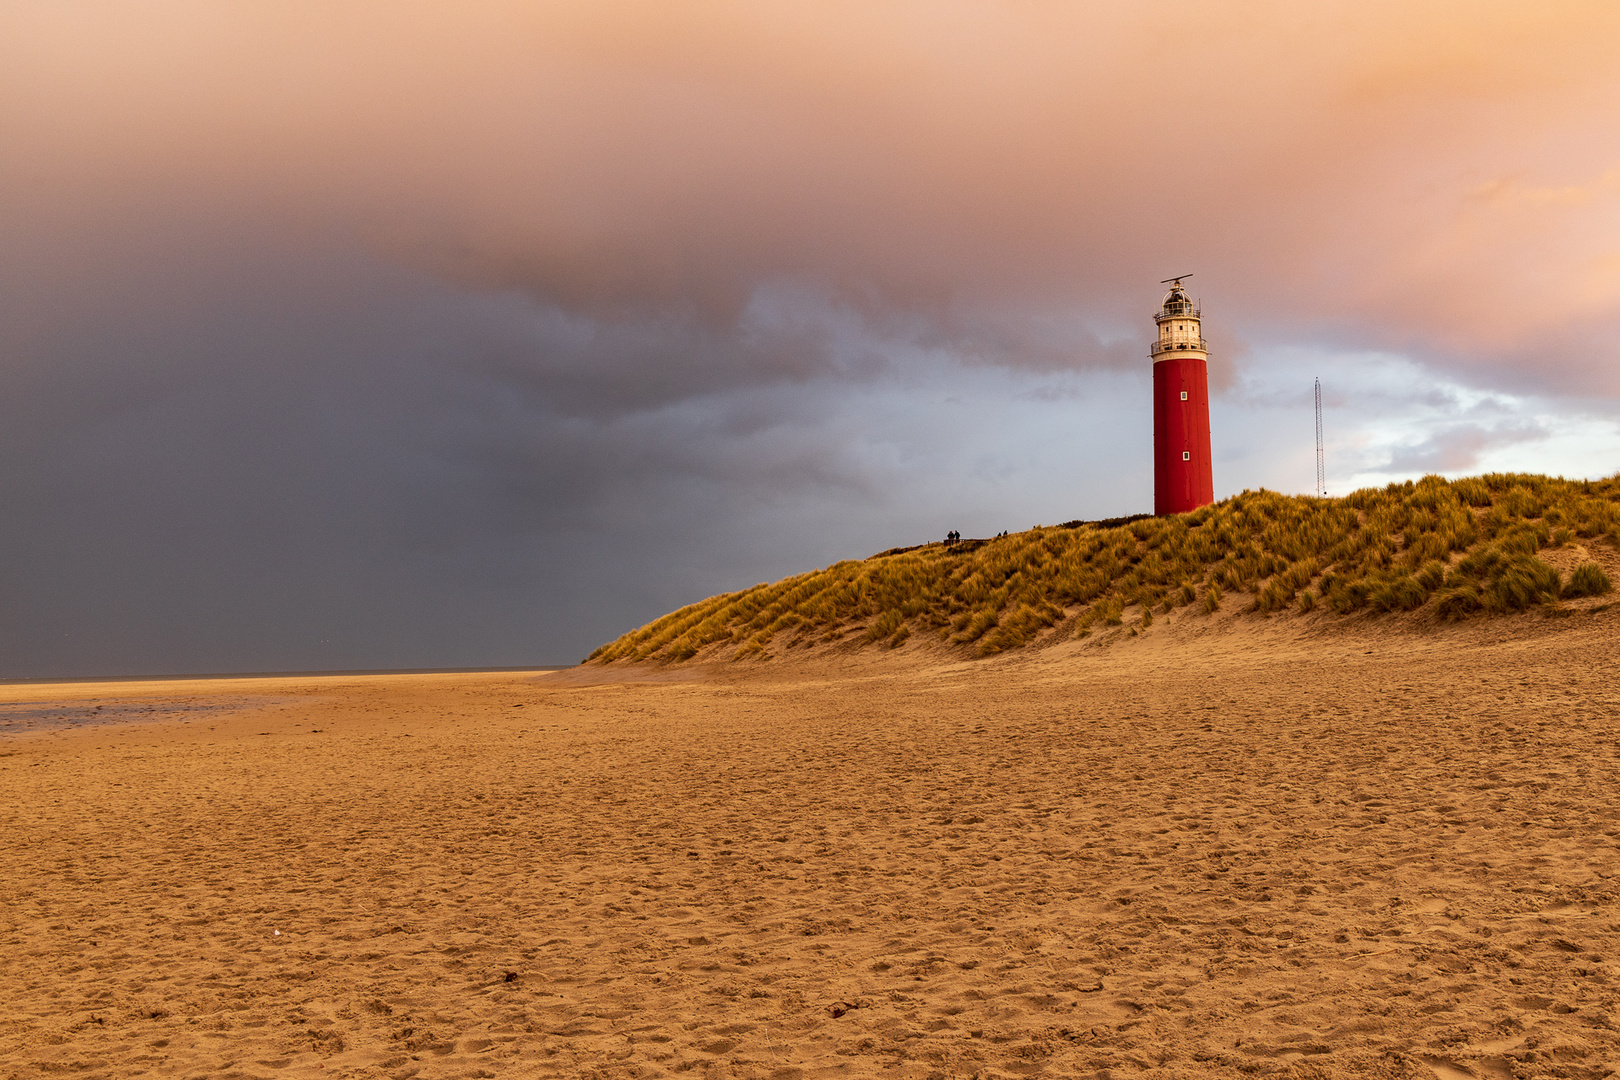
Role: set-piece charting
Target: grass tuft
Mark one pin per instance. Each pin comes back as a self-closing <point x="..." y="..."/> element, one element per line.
<point x="1458" y="602"/>
<point x="1587" y="580"/>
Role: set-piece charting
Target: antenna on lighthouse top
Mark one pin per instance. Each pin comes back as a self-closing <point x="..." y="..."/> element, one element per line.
<point x="1177" y="279"/>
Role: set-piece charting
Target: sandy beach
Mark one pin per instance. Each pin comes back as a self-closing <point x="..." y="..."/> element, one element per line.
<point x="1278" y="848"/>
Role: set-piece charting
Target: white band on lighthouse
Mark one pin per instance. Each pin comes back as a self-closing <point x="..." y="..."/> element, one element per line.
<point x="1180" y="327"/>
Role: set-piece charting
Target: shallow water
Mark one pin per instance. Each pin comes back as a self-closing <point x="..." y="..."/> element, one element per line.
<point x="32" y="717"/>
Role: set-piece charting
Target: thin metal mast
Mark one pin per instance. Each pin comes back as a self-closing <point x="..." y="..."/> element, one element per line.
<point x="1321" y="475"/>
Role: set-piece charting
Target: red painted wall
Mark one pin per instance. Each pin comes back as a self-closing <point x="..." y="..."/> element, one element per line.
<point x="1181" y="427"/>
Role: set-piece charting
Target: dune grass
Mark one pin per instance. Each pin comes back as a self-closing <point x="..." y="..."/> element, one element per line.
<point x="1464" y="548"/>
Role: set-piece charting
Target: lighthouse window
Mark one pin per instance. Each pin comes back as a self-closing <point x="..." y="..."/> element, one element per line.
<point x="1186" y="455"/>
<point x="1184" y="395"/>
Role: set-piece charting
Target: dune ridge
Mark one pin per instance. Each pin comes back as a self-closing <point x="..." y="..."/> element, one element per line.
<point x="1454" y="549"/>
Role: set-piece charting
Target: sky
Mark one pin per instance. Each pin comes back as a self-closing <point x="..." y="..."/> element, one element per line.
<point x="396" y="333"/>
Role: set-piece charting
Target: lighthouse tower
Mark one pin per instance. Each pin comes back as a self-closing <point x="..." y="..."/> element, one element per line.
<point x="1182" y="479"/>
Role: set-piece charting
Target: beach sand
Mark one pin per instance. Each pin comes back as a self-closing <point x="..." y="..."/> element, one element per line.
<point x="1277" y="848"/>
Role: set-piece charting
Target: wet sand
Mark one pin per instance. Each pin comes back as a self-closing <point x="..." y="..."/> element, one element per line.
<point x="1270" y="849"/>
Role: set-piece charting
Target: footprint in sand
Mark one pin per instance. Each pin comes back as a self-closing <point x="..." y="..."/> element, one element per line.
<point x="1483" y="1069"/>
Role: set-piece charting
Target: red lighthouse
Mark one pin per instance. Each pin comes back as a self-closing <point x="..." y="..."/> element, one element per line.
<point x="1182" y="479"/>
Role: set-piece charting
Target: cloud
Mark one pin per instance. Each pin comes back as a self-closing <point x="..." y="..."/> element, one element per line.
<point x="1426" y="178"/>
<point x="1459" y="448"/>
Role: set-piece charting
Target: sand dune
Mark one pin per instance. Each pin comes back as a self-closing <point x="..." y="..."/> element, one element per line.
<point x="1257" y="851"/>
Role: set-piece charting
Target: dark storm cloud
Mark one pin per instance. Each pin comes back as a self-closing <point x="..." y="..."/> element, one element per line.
<point x="602" y="364"/>
<point x="321" y="452"/>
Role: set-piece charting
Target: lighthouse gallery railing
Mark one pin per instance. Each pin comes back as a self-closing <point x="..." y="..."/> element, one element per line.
<point x="1176" y="346"/>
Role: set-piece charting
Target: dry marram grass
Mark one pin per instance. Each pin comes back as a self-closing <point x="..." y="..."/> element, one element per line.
<point x="1465" y="548"/>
